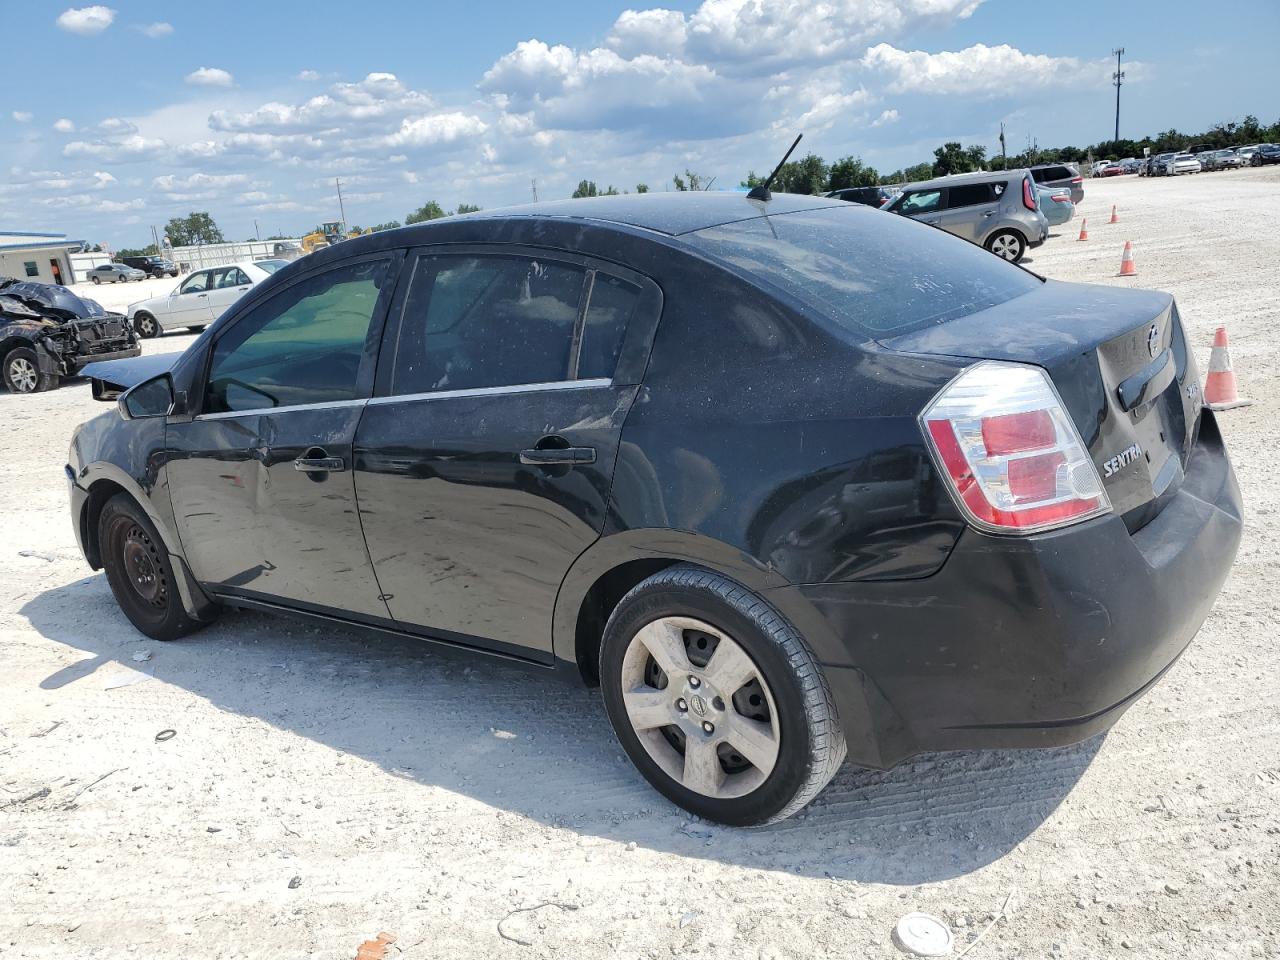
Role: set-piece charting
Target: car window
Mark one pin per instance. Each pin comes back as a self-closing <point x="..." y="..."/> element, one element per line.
<point x="877" y="292"/>
<point x="968" y="195"/>
<point x="196" y="283"/>
<point x="471" y="322"/>
<point x="920" y="202"/>
<point x="303" y="345"/>
<point x="609" y="309"/>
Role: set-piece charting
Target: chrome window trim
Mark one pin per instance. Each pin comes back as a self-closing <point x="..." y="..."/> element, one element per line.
<point x="259" y="411"/>
<point x="591" y="384"/>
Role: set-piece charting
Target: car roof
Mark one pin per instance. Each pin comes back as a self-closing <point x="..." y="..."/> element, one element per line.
<point x="671" y="213"/>
<point x="980" y="176"/>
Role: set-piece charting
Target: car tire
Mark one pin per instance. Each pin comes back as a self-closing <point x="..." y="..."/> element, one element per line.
<point x="1007" y="245"/>
<point x="22" y="373"/>
<point x="767" y="696"/>
<point x="140" y="572"/>
<point x="145" y="325"/>
<point x="96" y="279"/>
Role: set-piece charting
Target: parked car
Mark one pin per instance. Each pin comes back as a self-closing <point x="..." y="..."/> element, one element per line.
<point x="1182" y="163"/>
<point x="114" y="273"/>
<point x="1112" y="170"/>
<point x="1160" y="164"/>
<point x="1246" y="153"/>
<point x="1131" y="166"/>
<point x="200" y="298"/>
<point x="870" y="196"/>
<point x="47" y="332"/>
<point x="1219" y="160"/>
<point x="152" y="266"/>
<point x="553" y="418"/>
<point x="1060" y="175"/>
<point x="1266" y="153"/>
<point x="997" y="209"/>
<point x="1055" y="204"/>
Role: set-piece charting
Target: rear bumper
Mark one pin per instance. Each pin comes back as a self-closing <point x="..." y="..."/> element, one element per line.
<point x="1030" y="641"/>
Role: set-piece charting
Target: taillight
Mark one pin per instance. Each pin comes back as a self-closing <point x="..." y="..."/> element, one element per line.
<point x="1077" y="179"/>
<point x="1028" y="198"/>
<point x="1012" y="456"/>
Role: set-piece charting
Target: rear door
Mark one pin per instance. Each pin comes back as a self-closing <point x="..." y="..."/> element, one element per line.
<point x="483" y="465"/>
<point x="226" y="286"/>
<point x="969" y="210"/>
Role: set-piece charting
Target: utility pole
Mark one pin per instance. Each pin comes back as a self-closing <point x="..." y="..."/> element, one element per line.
<point x="535" y="189"/>
<point x="1004" y="155"/>
<point x="342" y="213"/>
<point x="256" y="232"/>
<point x="1117" y="78"/>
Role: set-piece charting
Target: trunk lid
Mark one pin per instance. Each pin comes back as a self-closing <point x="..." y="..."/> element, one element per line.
<point x="1120" y="363"/>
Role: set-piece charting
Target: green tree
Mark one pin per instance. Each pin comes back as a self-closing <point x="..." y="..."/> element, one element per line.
<point x="586" y="188"/>
<point x="851" y="172"/>
<point x="428" y="211"/>
<point x="952" y="158"/>
<point x="193" y="228"/>
<point x="690" y="181"/>
<point x="148" y="251"/>
<point x="468" y="208"/>
<point x="808" y="175"/>
<point x="642" y="188"/>
<point x="389" y="225"/>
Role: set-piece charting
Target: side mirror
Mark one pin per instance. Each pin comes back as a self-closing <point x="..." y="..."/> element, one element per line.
<point x="150" y="398"/>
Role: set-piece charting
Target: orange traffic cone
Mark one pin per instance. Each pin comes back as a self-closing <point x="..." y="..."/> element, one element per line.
<point x="1127" y="267"/>
<point x="1115" y="218"/>
<point x="1220" y="391"/>
<point x="1084" y="229"/>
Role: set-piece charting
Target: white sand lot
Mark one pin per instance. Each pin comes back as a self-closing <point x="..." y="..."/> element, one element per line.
<point x="430" y="796"/>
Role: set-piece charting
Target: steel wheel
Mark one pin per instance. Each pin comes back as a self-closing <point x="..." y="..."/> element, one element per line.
<point x="23" y="375"/>
<point x="142" y="564"/>
<point x="700" y="707"/>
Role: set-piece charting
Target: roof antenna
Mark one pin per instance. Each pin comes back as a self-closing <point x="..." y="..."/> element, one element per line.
<point x="761" y="191"/>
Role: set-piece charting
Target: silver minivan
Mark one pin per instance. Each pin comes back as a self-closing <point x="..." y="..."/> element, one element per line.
<point x="995" y="209"/>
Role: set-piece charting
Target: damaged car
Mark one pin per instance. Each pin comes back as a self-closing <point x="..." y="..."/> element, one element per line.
<point x="47" y="333"/>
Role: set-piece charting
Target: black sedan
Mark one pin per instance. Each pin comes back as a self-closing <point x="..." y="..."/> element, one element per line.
<point x="790" y="479"/>
<point x="1264" y="154"/>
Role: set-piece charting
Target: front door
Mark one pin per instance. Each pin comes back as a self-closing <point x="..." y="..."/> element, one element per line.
<point x="189" y="302"/>
<point x="483" y="466"/>
<point x="261" y="478"/>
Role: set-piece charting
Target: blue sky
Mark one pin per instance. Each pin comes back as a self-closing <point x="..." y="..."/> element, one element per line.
<point x="123" y="115"/>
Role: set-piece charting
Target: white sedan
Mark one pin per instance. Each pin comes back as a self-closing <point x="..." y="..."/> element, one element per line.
<point x="200" y="298"/>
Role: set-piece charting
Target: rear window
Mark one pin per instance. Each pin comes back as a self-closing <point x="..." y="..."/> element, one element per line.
<point x="869" y="273"/>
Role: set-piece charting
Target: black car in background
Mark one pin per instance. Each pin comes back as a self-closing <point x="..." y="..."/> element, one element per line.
<point x="1265" y="153"/>
<point x="789" y="479"/>
<point x="870" y="196"/>
<point x="152" y="266"/>
<point x="47" y="332"/>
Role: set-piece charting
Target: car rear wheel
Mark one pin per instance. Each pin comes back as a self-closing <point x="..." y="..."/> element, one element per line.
<point x="22" y="372"/>
<point x="1007" y="244"/>
<point x="140" y="572"/>
<point x="96" y="279"/>
<point x="146" y="325"/>
<point x="717" y="699"/>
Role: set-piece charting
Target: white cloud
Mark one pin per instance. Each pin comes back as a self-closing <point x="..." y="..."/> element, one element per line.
<point x="977" y="70"/>
<point x="157" y="29"/>
<point x="436" y="129"/>
<point x="170" y="183"/>
<point x="114" y="127"/>
<point x="209" y="77"/>
<point x="886" y="117"/>
<point x="64" y="126"/>
<point x="308" y="75"/>
<point x="22" y="116"/>
<point x="130" y="147"/>
<point x="365" y="102"/>
<point x="86" y="20"/>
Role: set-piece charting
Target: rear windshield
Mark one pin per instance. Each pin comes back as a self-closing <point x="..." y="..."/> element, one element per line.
<point x="873" y="274"/>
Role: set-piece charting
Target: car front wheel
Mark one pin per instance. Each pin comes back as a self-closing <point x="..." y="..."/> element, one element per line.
<point x="1007" y="244"/>
<point x="717" y="699"/>
<point x="22" y="372"/>
<point x="96" y="279"/>
<point x="140" y="572"/>
<point x="146" y="326"/>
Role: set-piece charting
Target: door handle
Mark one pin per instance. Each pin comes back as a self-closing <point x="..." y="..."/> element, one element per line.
<point x="200" y="296"/>
<point x="319" y="464"/>
<point x="558" y="456"/>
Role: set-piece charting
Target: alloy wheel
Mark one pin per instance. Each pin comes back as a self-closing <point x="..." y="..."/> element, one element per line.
<point x="1005" y="246"/>
<point x="146" y="326"/>
<point x="700" y="707"/>
<point x="23" y="375"/>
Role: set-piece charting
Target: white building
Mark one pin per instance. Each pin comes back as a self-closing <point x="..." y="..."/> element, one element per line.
<point x="43" y="257"/>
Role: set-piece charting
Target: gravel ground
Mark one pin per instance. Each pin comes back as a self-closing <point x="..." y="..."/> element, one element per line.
<point x="323" y="786"/>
